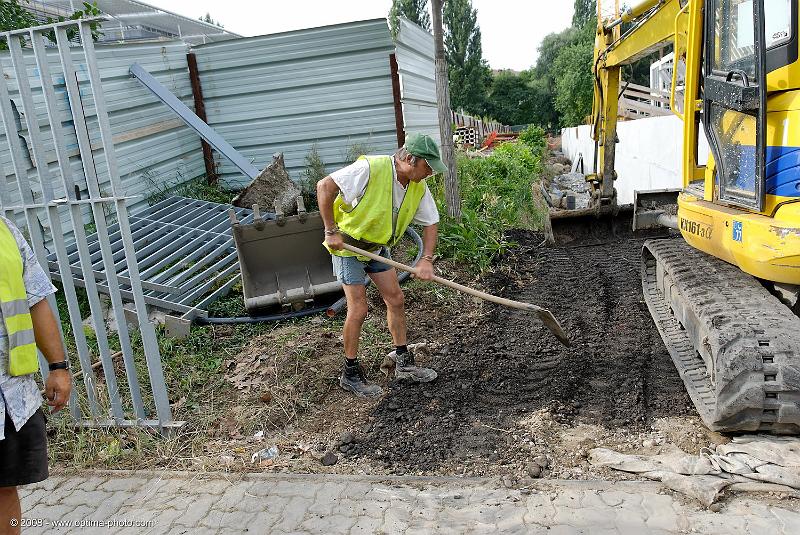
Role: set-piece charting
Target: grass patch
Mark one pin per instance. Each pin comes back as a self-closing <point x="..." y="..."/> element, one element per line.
<point x="198" y="393"/>
<point x="197" y="188"/>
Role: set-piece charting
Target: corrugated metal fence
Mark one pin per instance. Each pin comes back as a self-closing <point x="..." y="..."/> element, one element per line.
<point x="154" y="149"/>
<point x="328" y="87"/>
<point x="415" y="54"/>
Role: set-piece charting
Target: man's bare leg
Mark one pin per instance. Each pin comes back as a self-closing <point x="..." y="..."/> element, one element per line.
<point x="9" y="510"/>
<point x="389" y="288"/>
<point x="387" y="285"/>
<point x="356" y="295"/>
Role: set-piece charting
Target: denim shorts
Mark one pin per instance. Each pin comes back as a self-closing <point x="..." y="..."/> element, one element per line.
<point x="350" y="270"/>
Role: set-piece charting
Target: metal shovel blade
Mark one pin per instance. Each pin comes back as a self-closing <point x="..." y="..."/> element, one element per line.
<point x="550" y="321"/>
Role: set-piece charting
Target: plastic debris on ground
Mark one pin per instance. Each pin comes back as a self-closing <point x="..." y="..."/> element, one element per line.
<point x="752" y="463"/>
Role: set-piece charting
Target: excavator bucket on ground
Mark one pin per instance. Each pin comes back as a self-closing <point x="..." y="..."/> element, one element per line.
<point x="282" y="260"/>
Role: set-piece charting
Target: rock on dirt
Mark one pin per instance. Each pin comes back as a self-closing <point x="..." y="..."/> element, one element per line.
<point x="542" y="461"/>
<point x="534" y="469"/>
<point x="330" y="459"/>
<point x="346" y="438"/>
<point x="272" y="185"/>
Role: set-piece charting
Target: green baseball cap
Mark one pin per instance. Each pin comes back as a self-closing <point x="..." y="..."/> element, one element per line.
<point x="425" y="147"/>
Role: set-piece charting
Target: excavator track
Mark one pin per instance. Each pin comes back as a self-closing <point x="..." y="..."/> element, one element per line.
<point x="736" y="346"/>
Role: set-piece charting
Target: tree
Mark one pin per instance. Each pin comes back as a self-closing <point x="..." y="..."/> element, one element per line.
<point x="13" y="17"/>
<point x="585" y="12"/>
<point x="575" y="82"/>
<point x="511" y="99"/>
<point x="544" y="113"/>
<point x="207" y="18"/>
<point x="452" y="189"/>
<point x="414" y="10"/>
<point x="468" y="72"/>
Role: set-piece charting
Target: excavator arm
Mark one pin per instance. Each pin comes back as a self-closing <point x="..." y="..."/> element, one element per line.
<point x="654" y="25"/>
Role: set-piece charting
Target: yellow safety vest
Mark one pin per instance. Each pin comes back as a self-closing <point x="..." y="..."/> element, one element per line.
<point x="371" y="221"/>
<point x="22" y="358"/>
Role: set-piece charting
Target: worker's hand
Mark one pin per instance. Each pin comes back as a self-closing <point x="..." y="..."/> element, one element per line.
<point x="334" y="241"/>
<point x="424" y="270"/>
<point x="58" y="388"/>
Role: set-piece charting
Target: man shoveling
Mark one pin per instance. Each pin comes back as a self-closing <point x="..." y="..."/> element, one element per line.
<point x="369" y="205"/>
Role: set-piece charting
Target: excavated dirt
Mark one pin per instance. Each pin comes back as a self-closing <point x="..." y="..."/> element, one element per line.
<point x="510" y="400"/>
<point x="508" y="390"/>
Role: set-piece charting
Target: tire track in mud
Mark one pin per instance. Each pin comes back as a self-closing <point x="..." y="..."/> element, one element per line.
<point x="496" y="370"/>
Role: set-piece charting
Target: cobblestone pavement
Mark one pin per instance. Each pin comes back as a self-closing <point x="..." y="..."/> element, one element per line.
<point x="180" y="502"/>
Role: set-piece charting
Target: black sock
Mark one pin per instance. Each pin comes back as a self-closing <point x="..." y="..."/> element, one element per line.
<point x="401" y="349"/>
<point x="350" y="362"/>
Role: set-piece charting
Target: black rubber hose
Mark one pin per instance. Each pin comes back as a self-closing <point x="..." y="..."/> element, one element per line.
<point x="401" y="278"/>
<point x="260" y="319"/>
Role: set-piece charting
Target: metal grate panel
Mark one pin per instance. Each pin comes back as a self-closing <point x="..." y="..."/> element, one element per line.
<point x="184" y="249"/>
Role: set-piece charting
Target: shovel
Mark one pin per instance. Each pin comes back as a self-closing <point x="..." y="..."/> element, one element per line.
<point x="544" y="315"/>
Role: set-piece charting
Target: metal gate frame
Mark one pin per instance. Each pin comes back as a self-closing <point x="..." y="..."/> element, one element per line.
<point x="98" y="415"/>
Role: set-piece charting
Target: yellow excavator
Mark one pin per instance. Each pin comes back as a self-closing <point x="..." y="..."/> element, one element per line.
<point x="724" y="297"/>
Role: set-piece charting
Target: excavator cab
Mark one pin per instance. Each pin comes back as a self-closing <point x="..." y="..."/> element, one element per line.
<point x="744" y="41"/>
<point x="734" y="97"/>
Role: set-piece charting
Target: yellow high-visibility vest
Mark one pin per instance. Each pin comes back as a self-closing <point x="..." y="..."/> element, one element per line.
<point x="22" y="358"/>
<point x="371" y="219"/>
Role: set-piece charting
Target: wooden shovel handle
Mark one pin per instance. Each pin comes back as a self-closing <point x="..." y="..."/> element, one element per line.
<point x="545" y="315"/>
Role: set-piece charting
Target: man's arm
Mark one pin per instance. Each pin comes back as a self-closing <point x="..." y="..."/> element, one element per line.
<point x="425" y="264"/>
<point x="48" y="340"/>
<point x="327" y="190"/>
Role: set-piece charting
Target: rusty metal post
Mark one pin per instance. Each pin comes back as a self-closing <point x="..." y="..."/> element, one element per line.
<point x="200" y="111"/>
<point x="398" y="103"/>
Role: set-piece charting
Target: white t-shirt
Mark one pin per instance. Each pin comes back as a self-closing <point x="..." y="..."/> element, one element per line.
<point x="352" y="181"/>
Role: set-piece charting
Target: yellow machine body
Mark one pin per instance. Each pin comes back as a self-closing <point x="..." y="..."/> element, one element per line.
<point x="763" y="242"/>
<point x="714" y="295"/>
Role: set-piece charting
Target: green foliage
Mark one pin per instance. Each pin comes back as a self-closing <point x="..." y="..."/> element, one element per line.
<point x="585" y="12"/>
<point x="197" y="188"/>
<point x="414" y="10"/>
<point x="88" y="11"/>
<point x="314" y="172"/>
<point x="13" y="17"/>
<point x="496" y="194"/>
<point x="469" y="74"/>
<point x="534" y="138"/>
<point x="357" y="149"/>
<point x="575" y="82"/>
<point x="207" y="18"/>
<point x="511" y="99"/>
<point x="560" y="85"/>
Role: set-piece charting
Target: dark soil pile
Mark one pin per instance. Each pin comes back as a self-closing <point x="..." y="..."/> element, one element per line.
<point x="497" y="371"/>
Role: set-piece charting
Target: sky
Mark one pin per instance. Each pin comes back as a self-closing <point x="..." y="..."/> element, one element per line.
<point x="511" y="29"/>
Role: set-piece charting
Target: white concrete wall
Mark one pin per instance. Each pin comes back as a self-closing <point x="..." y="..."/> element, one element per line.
<point x="648" y="154"/>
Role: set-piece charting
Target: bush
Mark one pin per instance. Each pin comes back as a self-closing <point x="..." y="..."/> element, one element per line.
<point x="534" y="138"/>
<point x="313" y="172"/>
<point x="496" y="194"/>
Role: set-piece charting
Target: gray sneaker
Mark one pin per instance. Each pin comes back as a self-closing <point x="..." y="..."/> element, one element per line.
<point x="354" y="380"/>
<point x="406" y="368"/>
